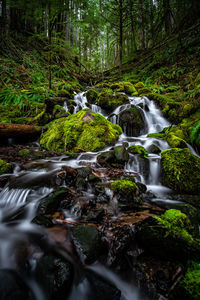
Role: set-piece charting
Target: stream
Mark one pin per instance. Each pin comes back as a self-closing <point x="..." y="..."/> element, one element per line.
<point x="22" y="242"/>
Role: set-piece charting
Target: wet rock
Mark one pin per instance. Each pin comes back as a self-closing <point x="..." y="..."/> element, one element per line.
<point x="132" y="121"/>
<point x="106" y="158"/>
<point x="42" y="221"/>
<point x="137" y="149"/>
<point x="95" y="215"/>
<point x="54" y="275"/>
<point x="181" y="170"/>
<point x="13" y="287"/>
<point x="154" y="149"/>
<point x="88" y="242"/>
<point x="127" y="194"/>
<point x="121" y="154"/>
<point x="169" y="236"/>
<point x="51" y="203"/>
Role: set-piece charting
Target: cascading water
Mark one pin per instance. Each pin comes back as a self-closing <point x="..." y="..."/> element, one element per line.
<point x="28" y="188"/>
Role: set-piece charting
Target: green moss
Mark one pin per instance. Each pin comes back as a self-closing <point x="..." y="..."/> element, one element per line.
<point x="139" y="85"/>
<point x="85" y="130"/>
<point x="177" y="224"/>
<point x="137" y="149"/>
<point x="144" y="92"/>
<point x="175" y="142"/>
<point x="5" y="167"/>
<point x="181" y="170"/>
<point x="91" y="96"/>
<point x="124" y="187"/>
<point x="130" y="89"/>
<point x="156" y="135"/>
<point x="109" y="100"/>
<point x="24" y="152"/>
<point x="191" y="282"/>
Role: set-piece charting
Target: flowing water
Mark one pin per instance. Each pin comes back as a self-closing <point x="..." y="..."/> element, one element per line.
<point x="20" y="197"/>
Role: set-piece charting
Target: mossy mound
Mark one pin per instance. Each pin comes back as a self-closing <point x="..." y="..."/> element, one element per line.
<point x="109" y="100"/>
<point x="85" y="130"/>
<point x="91" y="96"/>
<point x="181" y="170"/>
<point x="5" y="167"/>
<point x="169" y="236"/>
<point x="124" y="86"/>
<point x="139" y="85"/>
<point x="123" y="186"/>
<point x="137" y="149"/>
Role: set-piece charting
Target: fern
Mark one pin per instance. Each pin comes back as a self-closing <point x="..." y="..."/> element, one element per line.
<point x="195" y="134"/>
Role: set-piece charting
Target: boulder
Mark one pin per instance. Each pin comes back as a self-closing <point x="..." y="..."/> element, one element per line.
<point x="121" y="154"/>
<point x="5" y="167"/>
<point x="132" y="121"/>
<point x="169" y="236"/>
<point x="83" y="130"/>
<point x="137" y="149"/>
<point x="88" y="242"/>
<point x="181" y="170"/>
<point x="91" y="96"/>
<point x="109" y="100"/>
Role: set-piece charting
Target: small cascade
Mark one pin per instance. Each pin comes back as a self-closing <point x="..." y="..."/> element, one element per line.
<point x="96" y="109"/>
<point x="65" y="106"/>
<point x="13" y="197"/>
<point x="80" y="101"/>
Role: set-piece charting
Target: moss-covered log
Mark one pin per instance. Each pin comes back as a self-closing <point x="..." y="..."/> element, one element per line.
<point x="19" y="131"/>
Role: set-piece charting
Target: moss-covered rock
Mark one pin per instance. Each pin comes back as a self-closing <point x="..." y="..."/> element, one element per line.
<point x="144" y="92"/>
<point x="169" y="236"/>
<point x="137" y="149"/>
<point x="174" y="141"/>
<point x="127" y="193"/>
<point x="85" y="130"/>
<point x="5" y="167"/>
<point x="139" y="85"/>
<point x="109" y="100"/>
<point x="191" y="282"/>
<point x="91" y="96"/>
<point x="121" y="154"/>
<point x="181" y="170"/>
<point x="58" y="111"/>
<point x="130" y="89"/>
<point x="132" y="121"/>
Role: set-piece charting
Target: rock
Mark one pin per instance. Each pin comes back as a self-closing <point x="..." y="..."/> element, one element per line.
<point x="181" y="170"/>
<point x="127" y="193"/>
<point x="132" y="121"/>
<point x="83" y="130"/>
<point x="139" y="85"/>
<point x="137" y="149"/>
<point x="54" y="275"/>
<point x="109" y="101"/>
<point x="13" y="287"/>
<point x="88" y="243"/>
<point x="106" y="158"/>
<point x="175" y="141"/>
<point x="5" y="167"/>
<point x="51" y="203"/>
<point x="195" y="136"/>
<point x="91" y="96"/>
<point x="58" y="111"/>
<point x="169" y="236"/>
<point x="121" y="154"/>
<point x="154" y="149"/>
<point x="95" y="215"/>
<point x="42" y="221"/>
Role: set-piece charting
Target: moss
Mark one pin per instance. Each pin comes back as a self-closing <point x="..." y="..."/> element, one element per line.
<point x="139" y="85"/>
<point x="181" y="170"/>
<point x="144" y="92"/>
<point x="130" y="89"/>
<point x="124" y="187"/>
<point x="110" y="101"/>
<point x="191" y="282"/>
<point x="58" y="111"/>
<point x="137" y="149"/>
<point x="24" y="152"/>
<point x="5" y="167"/>
<point x="176" y="223"/>
<point x="85" y="130"/>
<point x="175" y="142"/>
<point x="159" y="135"/>
<point x="91" y="96"/>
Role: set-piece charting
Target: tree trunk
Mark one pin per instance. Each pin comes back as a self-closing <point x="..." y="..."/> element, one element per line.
<point x="120" y="33"/>
<point x="19" y="131"/>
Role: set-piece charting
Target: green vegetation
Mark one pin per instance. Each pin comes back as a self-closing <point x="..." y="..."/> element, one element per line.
<point x="84" y="130"/>
<point x="5" y="167"/>
<point x="181" y="170"/>
<point x="137" y="149"/>
<point x="191" y="282"/>
<point x="124" y="187"/>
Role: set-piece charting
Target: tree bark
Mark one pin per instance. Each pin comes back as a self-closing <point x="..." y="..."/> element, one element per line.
<point x="19" y="131"/>
<point x="120" y="33"/>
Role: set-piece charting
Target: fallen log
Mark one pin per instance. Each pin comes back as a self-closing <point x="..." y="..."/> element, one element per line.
<point x="19" y="131"/>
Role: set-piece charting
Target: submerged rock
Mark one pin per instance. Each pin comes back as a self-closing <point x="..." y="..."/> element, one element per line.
<point x="132" y="121"/>
<point x="181" y="170"/>
<point x="84" y="130"/>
